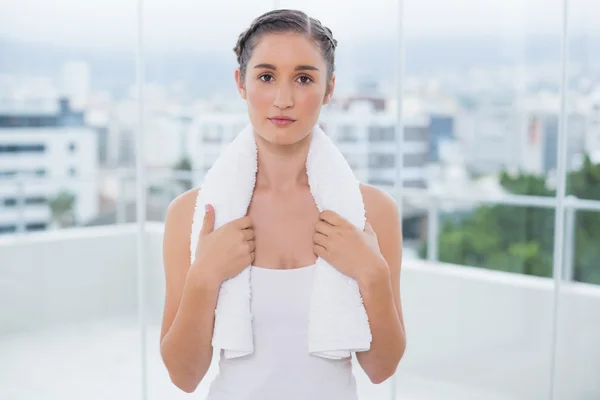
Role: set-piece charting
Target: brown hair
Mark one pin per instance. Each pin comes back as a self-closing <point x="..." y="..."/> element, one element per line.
<point x="284" y="21"/>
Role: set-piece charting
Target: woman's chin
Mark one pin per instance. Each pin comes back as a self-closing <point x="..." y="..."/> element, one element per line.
<point x="280" y="137"/>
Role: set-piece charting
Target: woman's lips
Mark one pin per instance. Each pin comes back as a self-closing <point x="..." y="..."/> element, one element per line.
<point x="281" y="122"/>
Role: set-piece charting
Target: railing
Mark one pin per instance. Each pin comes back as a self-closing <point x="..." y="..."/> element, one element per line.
<point x="430" y="199"/>
<point x="572" y="204"/>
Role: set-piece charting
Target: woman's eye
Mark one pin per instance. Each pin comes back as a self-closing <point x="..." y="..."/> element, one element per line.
<point x="269" y="78"/>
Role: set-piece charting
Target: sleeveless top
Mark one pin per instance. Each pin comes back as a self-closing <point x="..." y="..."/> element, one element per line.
<point x="280" y="366"/>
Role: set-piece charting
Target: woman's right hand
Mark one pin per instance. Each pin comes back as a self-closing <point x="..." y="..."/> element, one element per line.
<point x="224" y="253"/>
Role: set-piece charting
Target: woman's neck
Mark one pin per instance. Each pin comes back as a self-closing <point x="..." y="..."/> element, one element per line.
<point x="282" y="168"/>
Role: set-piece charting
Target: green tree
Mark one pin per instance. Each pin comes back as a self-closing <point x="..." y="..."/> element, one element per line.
<point x="521" y="239"/>
<point x="585" y="184"/>
<point x="61" y="208"/>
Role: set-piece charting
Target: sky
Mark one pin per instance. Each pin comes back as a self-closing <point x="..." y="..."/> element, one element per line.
<point x="215" y="25"/>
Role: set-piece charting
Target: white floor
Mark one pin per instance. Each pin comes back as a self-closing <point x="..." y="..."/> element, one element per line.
<point x="101" y="360"/>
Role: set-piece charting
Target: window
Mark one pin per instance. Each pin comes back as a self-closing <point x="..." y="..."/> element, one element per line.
<point x="347" y="134"/>
<point x="417" y="184"/>
<point x="478" y="67"/>
<point x="36" y="226"/>
<point x="416" y="160"/>
<point x="381" y="182"/>
<point x="22" y="148"/>
<point x="416" y="134"/>
<point x="8" y="174"/>
<point x="35" y="200"/>
<point x="381" y="134"/>
<point x="8" y="229"/>
<point x="13" y="173"/>
<point x="378" y="160"/>
<point x="10" y="202"/>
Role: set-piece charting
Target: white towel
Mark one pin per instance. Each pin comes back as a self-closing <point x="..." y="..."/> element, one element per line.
<point x="338" y="322"/>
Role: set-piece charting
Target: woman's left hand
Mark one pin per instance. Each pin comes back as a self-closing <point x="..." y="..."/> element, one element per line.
<point x="353" y="252"/>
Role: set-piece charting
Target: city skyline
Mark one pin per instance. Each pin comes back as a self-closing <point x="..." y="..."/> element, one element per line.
<point x="206" y="73"/>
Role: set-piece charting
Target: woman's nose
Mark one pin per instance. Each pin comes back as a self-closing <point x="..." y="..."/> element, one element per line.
<point x="284" y="97"/>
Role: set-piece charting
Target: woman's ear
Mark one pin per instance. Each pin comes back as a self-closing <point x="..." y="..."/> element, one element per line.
<point x="329" y="93"/>
<point x="239" y="83"/>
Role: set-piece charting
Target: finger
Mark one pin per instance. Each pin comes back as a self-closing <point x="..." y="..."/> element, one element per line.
<point x="325" y="228"/>
<point x="208" y="224"/>
<point x="251" y="246"/>
<point x="248" y="233"/>
<point x="320" y="250"/>
<point x="244" y="222"/>
<point x="320" y="239"/>
<point x="331" y="218"/>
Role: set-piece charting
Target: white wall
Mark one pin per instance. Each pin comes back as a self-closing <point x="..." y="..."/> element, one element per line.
<point x="469" y="330"/>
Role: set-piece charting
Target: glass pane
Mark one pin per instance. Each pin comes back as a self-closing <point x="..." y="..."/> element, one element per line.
<point x="586" y="263"/>
<point x="498" y="237"/>
<point x="68" y="294"/>
<point x="414" y="227"/>
<point x="582" y="254"/>
<point x="578" y="357"/>
<point x="192" y="109"/>
<point x="481" y="95"/>
<point x="494" y="320"/>
<point x="583" y="129"/>
<point x="577" y="354"/>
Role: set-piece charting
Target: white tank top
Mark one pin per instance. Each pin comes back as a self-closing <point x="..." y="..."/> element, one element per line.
<point x="280" y="366"/>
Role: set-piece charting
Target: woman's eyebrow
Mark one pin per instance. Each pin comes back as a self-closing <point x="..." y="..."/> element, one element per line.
<point x="298" y="67"/>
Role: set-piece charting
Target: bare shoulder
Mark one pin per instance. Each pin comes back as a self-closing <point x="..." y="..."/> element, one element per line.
<point x="381" y="207"/>
<point x="383" y="215"/>
<point x="179" y="217"/>
<point x="183" y="205"/>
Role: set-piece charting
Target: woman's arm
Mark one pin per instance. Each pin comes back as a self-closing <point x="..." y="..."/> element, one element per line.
<point x="381" y="289"/>
<point x="188" y="318"/>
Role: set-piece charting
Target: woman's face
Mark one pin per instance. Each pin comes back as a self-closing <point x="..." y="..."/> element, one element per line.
<point x="286" y="76"/>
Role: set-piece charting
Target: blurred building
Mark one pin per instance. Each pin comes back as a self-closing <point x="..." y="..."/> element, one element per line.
<point x="441" y="129"/>
<point x="490" y="136"/>
<point x="518" y="136"/>
<point x="164" y="133"/>
<point x="364" y="133"/>
<point x="209" y="132"/>
<point x="45" y="150"/>
<point x="546" y="131"/>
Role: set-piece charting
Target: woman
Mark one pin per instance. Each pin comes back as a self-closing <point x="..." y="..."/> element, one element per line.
<point x="285" y="74"/>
